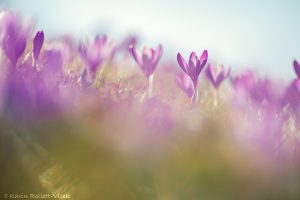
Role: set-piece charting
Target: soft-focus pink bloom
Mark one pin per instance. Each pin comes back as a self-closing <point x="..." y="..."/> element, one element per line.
<point x="217" y="75"/>
<point x="94" y="53"/>
<point x="292" y="96"/>
<point x="14" y="39"/>
<point x="243" y="81"/>
<point x="148" y="60"/>
<point x="185" y="83"/>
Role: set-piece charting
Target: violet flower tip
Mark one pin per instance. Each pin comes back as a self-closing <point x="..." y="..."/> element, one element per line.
<point x="295" y="63"/>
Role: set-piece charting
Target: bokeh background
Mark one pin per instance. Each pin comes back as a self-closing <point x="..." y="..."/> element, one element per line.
<point x="242" y="34"/>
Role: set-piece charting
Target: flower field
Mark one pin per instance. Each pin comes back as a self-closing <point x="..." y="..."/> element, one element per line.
<point x="98" y="118"/>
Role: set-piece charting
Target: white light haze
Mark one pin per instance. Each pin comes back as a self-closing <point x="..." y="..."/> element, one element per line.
<point x="243" y="34"/>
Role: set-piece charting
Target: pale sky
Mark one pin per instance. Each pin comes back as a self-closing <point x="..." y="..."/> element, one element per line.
<point x="261" y="34"/>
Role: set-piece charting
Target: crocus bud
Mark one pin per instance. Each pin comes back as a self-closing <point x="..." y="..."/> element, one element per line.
<point x="37" y="44"/>
<point x="297" y="68"/>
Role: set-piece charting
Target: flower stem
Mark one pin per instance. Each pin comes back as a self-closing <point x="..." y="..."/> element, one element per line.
<point x="195" y="97"/>
<point x="216" y="96"/>
<point x="150" y="85"/>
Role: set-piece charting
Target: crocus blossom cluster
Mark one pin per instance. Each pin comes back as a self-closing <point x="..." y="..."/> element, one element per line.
<point x="175" y="139"/>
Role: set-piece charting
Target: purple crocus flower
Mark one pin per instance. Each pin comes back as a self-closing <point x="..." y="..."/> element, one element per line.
<point x="52" y="63"/>
<point x="194" y="67"/>
<point x="94" y="53"/>
<point x="242" y="84"/>
<point x="37" y="44"/>
<point x="14" y="41"/>
<point x="292" y="96"/>
<point x="243" y="81"/>
<point x="292" y="93"/>
<point x="148" y="60"/>
<point x="217" y="75"/>
<point x="267" y="92"/>
<point x="34" y="93"/>
<point x="185" y="83"/>
<point x="297" y="68"/>
<point x="129" y="41"/>
<point x="121" y="52"/>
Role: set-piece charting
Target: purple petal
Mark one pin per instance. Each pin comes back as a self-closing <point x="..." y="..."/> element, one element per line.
<point x="297" y="68"/>
<point x="210" y="74"/>
<point x="217" y="75"/>
<point x="37" y="44"/>
<point x="14" y="43"/>
<point x="201" y="62"/>
<point x="292" y="95"/>
<point x="147" y="65"/>
<point x="52" y="61"/>
<point x="20" y="46"/>
<point x="192" y="67"/>
<point x="182" y="63"/>
<point x="135" y="55"/>
<point x="220" y="78"/>
<point x="204" y="56"/>
<point x="157" y="55"/>
<point x="192" y="61"/>
<point x="185" y="83"/>
<point x="228" y="72"/>
<point x="147" y="52"/>
<point x="100" y="40"/>
<point x="82" y="50"/>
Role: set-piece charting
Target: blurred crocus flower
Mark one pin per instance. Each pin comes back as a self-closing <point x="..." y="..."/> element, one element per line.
<point x="83" y="79"/>
<point x="37" y="44"/>
<point x="148" y="62"/>
<point x="129" y="41"/>
<point x="52" y="68"/>
<point x="292" y="93"/>
<point x="217" y="75"/>
<point x="292" y="96"/>
<point x="121" y="52"/>
<point x="243" y="81"/>
<point x="194" y="67"/>
<point x="94" y="53"/>
<point x="35" y="93"/>
<point x="185" y="83"/>
<point x="267" y="92"/>
<point x="297" y="68"/>
<point x="266" y="134"/>
<point x="14" y="40"/>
